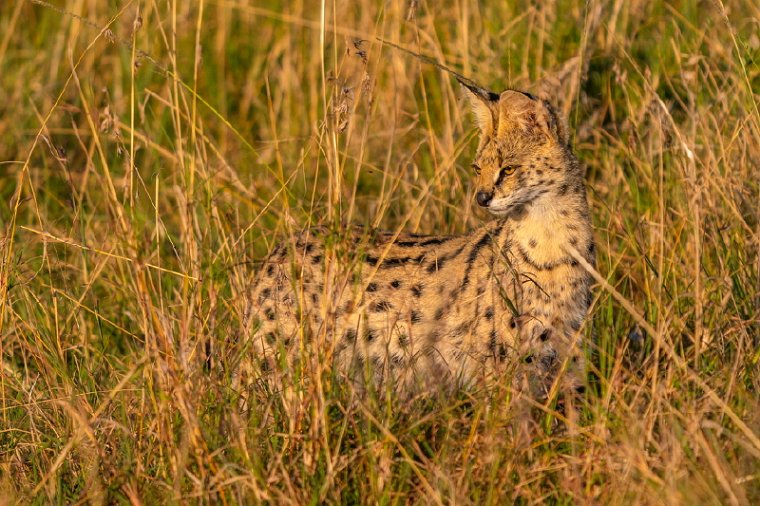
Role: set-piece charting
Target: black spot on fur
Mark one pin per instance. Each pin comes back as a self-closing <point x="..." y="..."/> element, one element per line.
<point x="545" y="335"/>
<point x="369" y="335"/>
<point x="395" y="283"/>
<point x="489" y="313"/>
<point x="377" y="361"/>
<point x="532" y="243"/>
<point x="315" y="298"/>
<point x="512" y="323"/>
<point x="436" y="264"/>
<point x="438" y="313"/>
<point x="563" y="189"/>
<point x="316" y="259"/>
<point x="492" y="341"/>
<point x="403" y="340"/>
<point x="309" y="248"/>
<point x="426" y="242"/>
<point x="372" y="287"/>
<point x="269" y="313"/>
<point x="463" y="328"/>
<point x="529" y="359"/>
<point x="417" y="290"/>
<point x="416" y="317"/>
<point x="380" y="306"/>
<point x="548" y="360"/>
<point x="395" y="262"/>
<point x="407" y="244"/>
<point x="270" y="337"/>
<point x="435" y="240"/>
<point x="270" y="270"/>
<point x="349" y="335"/>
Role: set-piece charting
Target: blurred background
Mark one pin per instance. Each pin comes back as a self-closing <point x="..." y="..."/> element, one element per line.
<point x="153" y="151"/>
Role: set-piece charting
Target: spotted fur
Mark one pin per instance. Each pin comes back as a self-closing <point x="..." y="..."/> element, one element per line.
<point x="432" y="310"/>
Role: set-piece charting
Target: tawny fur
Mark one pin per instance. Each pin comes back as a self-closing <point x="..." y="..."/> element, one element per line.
<point x="431" y="310"/>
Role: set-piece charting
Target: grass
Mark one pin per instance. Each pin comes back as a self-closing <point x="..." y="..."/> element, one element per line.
<point x="146" y="167"/>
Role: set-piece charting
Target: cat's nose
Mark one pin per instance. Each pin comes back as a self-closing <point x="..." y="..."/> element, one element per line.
<point x="484" y="198"/>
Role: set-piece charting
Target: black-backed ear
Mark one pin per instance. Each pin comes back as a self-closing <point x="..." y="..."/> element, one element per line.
<point x="556" y="124"/>
<point x="523" y="112"/>
<point x="517" y="111"/>
<point x="483" y="104"/>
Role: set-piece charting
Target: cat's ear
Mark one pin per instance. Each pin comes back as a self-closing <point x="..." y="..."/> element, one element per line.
<point x="556" y="124"/>
<point x="484" y="107"/>
<point x="525" y="113"/>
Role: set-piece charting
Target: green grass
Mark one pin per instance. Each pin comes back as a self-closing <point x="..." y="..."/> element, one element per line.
<point x="126" y="254"/>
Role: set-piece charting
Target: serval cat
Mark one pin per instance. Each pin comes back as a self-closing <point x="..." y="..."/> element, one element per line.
<point x="423" y="311"/>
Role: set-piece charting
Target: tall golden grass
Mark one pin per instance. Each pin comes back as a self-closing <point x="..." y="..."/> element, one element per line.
<point x="151" y="152"/>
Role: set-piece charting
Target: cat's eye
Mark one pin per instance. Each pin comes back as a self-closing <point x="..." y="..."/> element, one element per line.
<point x="476" y="168"/>
<point x="508" y="170"/>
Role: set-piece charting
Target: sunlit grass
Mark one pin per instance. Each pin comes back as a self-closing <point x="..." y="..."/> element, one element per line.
<point x="146" y="167"/>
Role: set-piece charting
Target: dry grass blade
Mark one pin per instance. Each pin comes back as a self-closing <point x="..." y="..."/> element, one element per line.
<point x="153" y="153"/>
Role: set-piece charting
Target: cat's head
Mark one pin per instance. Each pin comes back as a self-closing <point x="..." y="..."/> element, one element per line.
<point x="523" y="148"/>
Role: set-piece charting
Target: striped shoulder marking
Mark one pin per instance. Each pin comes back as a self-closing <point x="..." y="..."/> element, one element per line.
<point x="423" y="242"/>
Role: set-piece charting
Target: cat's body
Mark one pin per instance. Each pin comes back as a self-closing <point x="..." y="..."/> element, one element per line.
<point x="430" y="310"/>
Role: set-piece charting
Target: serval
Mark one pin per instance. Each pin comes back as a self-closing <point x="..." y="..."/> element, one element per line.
<point x="424" y="311"/>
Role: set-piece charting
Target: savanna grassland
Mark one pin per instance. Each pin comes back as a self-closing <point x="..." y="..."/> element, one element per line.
<point x="153" y="151"/>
